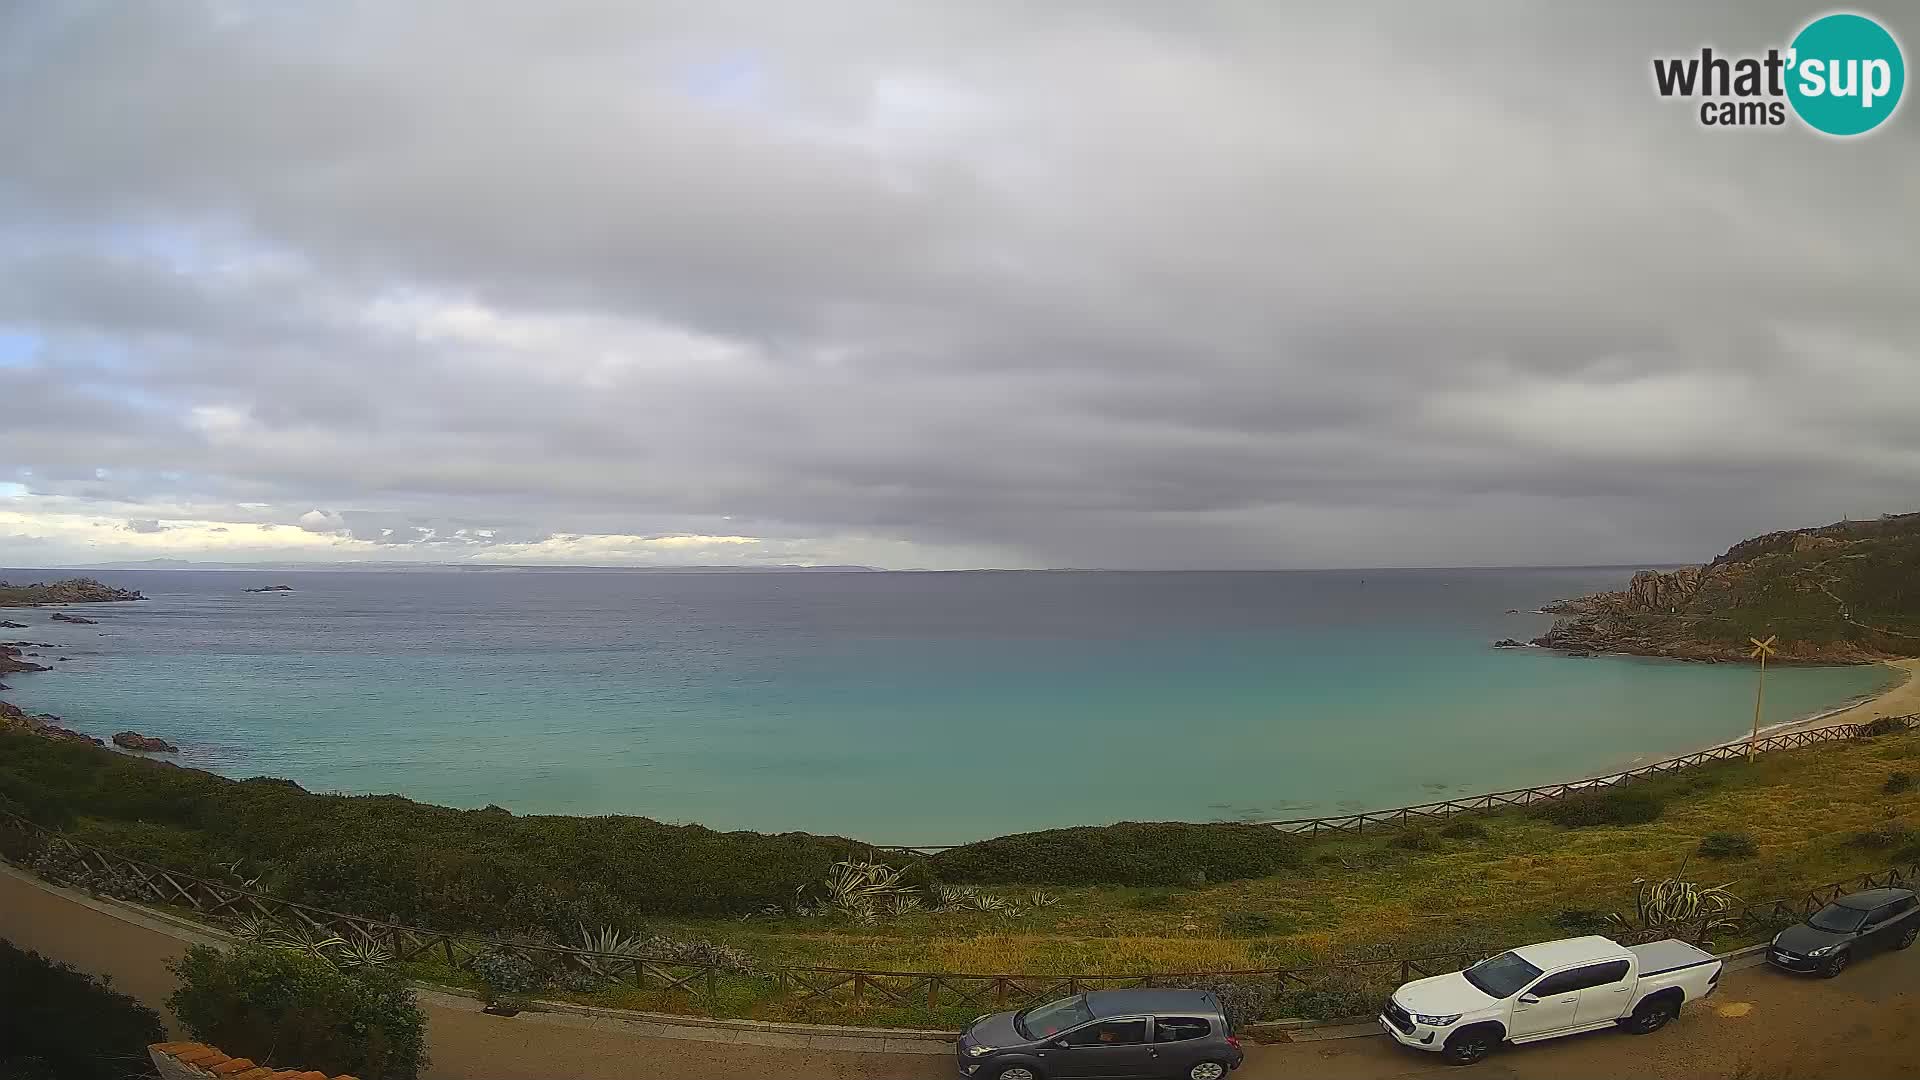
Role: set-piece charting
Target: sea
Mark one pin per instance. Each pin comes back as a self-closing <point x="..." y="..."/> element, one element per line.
<point x="896" y="708"/>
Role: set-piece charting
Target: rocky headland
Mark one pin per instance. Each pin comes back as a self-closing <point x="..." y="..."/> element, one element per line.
<point x="69" y="591"/>
<point x="1839" y="594"/>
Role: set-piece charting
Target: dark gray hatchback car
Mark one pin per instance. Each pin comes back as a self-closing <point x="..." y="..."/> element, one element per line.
<point x="1851" y="926"/>
<point x="1106" y="1033"/>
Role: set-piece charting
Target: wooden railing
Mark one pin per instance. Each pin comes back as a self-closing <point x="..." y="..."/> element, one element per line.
<point x="1409" y="815"/>
<point x="119" y="876"/>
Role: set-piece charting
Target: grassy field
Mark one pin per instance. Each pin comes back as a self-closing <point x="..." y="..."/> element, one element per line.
<point x="1411" y="892"/>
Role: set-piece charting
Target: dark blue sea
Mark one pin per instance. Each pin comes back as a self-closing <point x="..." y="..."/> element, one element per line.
<point x="916" y="708"/>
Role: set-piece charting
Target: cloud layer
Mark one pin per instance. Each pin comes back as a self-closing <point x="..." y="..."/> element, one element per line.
<point x="932" y="285"/>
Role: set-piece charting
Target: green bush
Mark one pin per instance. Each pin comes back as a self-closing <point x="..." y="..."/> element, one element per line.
<point x="389" y="857"/>
<point x="1416" y="838"/>
<point x="1607" y="806"/>
<point x="1885" y="725"/>
<point x="1153" y="900"/>
<point x="292" y="1010"/>
<point x="1888" y="834"/>
<point x="1246" y="924"/>
<point x="1897" y="783"/>
<point x="1581" y="921"/>
<point x="1131" y="853"/>
<point x="1464" y="829"/>
<point x="58" y="1022"/>
<point x="1728" y="845"/>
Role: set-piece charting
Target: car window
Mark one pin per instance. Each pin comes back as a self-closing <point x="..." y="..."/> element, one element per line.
<point x="1110" y="1033"/>
<point x="1839" y="920"/>
<point x="1597" y="975"/>
<point x="1560" y="983"/>
<point x="1501" y="976"/>
<point x="1180" y="1028"/>
<point x="1883" y="913"/>
<point x="1045" y="1021"/>
<point x="1910" y="903"/>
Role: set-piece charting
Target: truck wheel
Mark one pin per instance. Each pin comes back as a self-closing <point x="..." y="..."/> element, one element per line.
<point x="1835" y="964"/>
<point x="1652" y="1015"/>
<point x="1906" y="939"/>
<point x="1469" y="1046"/>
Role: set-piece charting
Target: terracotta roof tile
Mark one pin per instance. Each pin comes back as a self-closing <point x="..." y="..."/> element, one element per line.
<point x="206" y="1057"/>
<point x="233" y="1065"/>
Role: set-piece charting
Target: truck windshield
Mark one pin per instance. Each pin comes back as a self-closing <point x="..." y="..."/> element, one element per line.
<point x="1052" y="1018"/>
<point x="1501" y="976"/>
<point x="1838" y="919"/>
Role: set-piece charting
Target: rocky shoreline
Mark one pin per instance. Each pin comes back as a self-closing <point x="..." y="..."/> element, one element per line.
<point x="14" y="657"/>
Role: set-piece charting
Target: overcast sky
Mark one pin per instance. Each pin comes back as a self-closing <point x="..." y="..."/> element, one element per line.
<point x="932" y="285"/>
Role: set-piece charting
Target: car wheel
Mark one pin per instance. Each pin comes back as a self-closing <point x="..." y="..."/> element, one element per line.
<point x="1016" y="1072"/>
<point x="1207" y="1070"/>
<point x="1468" y="1047"/>
<point x="1835" y="964"/>
<point x="1652" y="1015"/>
<point x="1906" y="939"/>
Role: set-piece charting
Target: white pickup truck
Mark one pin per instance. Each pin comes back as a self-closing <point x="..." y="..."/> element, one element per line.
<point x="1548" y="990"/>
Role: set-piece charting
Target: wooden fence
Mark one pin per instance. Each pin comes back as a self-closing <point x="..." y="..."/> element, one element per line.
<point x="113" y="874"/>
<point x="1410" y="815"/>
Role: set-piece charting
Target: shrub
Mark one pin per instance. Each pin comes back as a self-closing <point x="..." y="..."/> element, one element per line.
<point x="1339" y="994"/>
<point x="58" y="1022"/>
<point x="1131" y="853"/>
<point x="1243" y="1000"/>
<point x="1897" y="783"/>
<point x="1247" y="924"/>
<point x="1885" y="725"/>
<point x="1152" y="900"/>
<point x="1887" y="834"/>
<point x="1611" y="806"/>
<point x="1464" y="829"/>
<point x="1581" y="921"/>
<point x="1728" y="845"/>
<point x="298" y="1011"/>
<point x="1416" y="839"/>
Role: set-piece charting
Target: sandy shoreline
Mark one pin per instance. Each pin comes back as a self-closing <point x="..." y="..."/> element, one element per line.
<point x="1900" y="699"/>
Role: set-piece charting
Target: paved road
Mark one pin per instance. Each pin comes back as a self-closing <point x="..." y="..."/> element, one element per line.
<point x="1863" y="1026"/>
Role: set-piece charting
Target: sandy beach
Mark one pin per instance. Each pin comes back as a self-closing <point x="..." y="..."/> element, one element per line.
<point x="1900" y="699"/>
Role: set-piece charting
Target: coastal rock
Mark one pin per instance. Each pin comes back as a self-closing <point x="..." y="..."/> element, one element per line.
<point x="1663" y="590"/>
<point x="133" y="740"/>
<point x="58" y="733"/>
<point x="273" y="588"/>
<point x="10" y="661"/>
<point x="70" y="591"/>
<point x="61" y="616"/>
<point x="7" y="625"/>
<point x="1509" y="643"/>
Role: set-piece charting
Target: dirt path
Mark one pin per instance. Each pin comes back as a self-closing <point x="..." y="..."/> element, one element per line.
<point x="1864" y="1026"/>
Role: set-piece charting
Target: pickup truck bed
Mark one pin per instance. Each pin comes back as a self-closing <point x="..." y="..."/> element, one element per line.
<point x="1660" y="957"/>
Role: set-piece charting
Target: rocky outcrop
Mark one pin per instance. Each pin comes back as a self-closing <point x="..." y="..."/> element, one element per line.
<point x="1837" y="594"/>
<point x="70" y="591"/>
<point x="1509" y="643"/>
<point x="6" y="625"/>
<point x="61" y="616"/>
<point x="133" y="740"/>
<point x="10" y="661"/>
<point x="15" y="719"/>
<point x="273" y="588"/>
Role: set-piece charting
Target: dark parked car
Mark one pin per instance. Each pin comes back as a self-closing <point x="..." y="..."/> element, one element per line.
<point x="1841" y="932"/>
<point x="1106" y="1033"/>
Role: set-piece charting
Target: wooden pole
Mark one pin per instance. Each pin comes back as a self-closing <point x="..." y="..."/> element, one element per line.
<point x="1759" y="694"/>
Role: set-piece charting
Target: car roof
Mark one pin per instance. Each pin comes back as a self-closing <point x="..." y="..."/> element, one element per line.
<point x="1873" y="898"/>
<point x="1548" y="955"/>
<point x="1134" y="1002"/>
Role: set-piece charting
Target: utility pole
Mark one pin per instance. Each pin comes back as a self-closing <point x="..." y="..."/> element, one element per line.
<point x="1761" y="650"/>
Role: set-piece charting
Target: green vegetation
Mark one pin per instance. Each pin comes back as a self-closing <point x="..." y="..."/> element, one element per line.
<point x="1635" y="804"/>
<point x="1473" y="884"/>
<point x="292" y="1010"/>
<point x="60" y="1024"/>
<point x="1728" y="845"/>
<point x="1898" y="783"/>
<point x="1130" y="853"/>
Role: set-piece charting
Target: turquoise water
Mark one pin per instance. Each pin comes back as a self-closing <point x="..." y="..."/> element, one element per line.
<point x="898" y="708"/>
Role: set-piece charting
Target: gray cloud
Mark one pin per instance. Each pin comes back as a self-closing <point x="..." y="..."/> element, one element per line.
<point x="1223" y="284"/>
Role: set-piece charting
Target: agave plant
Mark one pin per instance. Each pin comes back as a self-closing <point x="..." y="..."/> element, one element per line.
<point x="233" y="871"/>
<point x="361" y="951"/>
<point x="307" y="941"/>
<point x="850" y="879"/>
<point x="256" y="930"/>
<point x="902" y="904"/>
<point x="1040" y="898"/>
<point x="1675" y="907"/>
<point x="608" y="942"/>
